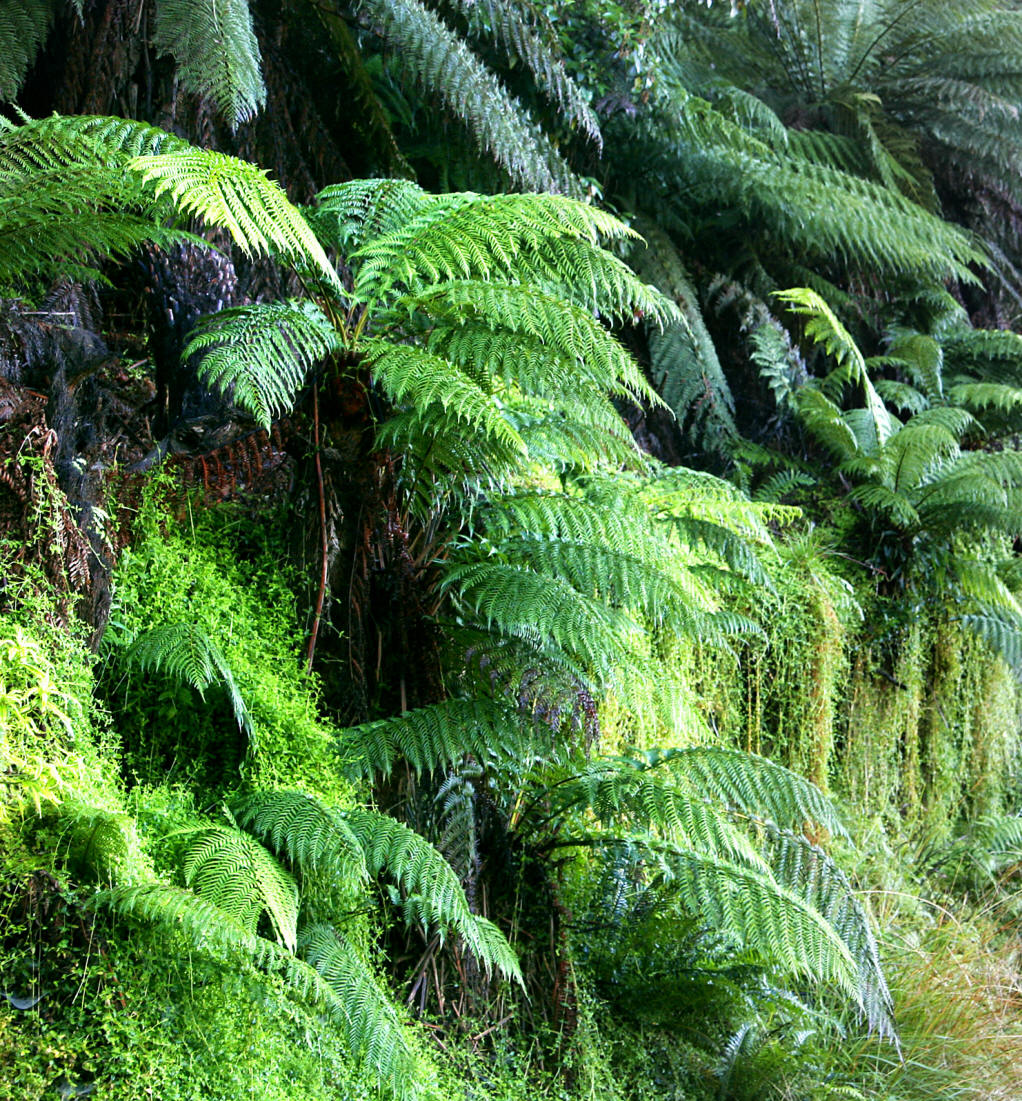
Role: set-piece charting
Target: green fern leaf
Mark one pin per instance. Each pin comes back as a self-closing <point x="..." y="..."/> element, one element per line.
<point x="807" y="871"/>
<point x="410" y="375"/>
<point x="433" y="737"/>
<point x="443" y="65"/>
<point x="216" y="52"/>
<point x="363" y="1010"/>
<point x="308" y="834"/>
<point x="23" y="29"/>
<point x="467" y="236"/>
<point x="261" y="354"/>
<point x="571" y="332"/>
<point x="517" y="29"/>
<point x="243" y="880"/>
<point x="433" y="897"/>
<point x="185" y="652"/>
<point x="754" y="908"/>
<point x="232" y="193"/>
<point x="750" y="783"/>
<point x="684" y="363"/>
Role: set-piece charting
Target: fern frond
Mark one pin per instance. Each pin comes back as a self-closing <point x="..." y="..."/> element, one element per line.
<point x="826" y="422"/>
<point x="358" y="1003"/>
<point x="749" y="784"/>
<point x="412" y="376"/>
<point x="900" y="395"/>
<point x="779" y="363"/>
<point x="518" y="30"/>
<point x="224" y="191"/>
<point x="660" y="596"/>
<point x="308" y="834"/>
<point x="335" y="976"/>
<point x="65" y="198"/>
<point x="235" y="873"/>
<point x="823" y="327"/>
<point x="568" y="398"/>
<point x="807" y="871"/>
<point x="571" y="332"/>
<point x="976" y="396"/>
<point x="1002" y="631"/>
<point x="433" y="896"/>
<point x="719" y="165"/>
<point x="358" y="211"/>
<point x="23" y="29"/>
<point x="546" y="612"/>
<point x="466" y="236"/>
<point x="882" y="499"/>
<point x="181" y="910"/>
<point x="433" y="737"/>
<point x="684" y="363"/>
<point x="443" y="65"/>
<point x="754" y="908"/>
<point x="216" y="52"/>
<point x="261" y="354"/>
<point x="185" y="652"/>
<point x="982" y="581"/>
<point x="621" y="792"/>
<point x="102" y="841"/>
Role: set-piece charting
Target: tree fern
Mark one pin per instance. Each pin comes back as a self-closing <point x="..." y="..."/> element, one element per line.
<point x="694" y="800"/>
<point x="216" y="52"/>
<point x="366" y="1015"/>
<point x="824" y="328"/>
<point x="570" y="331"/>
<point x="466" y="236"/>
<point x="411" y="375"/>
<point x="66" y="200"/>
<point x="812" y="874"/>
<point x="748" y="783"/>
<point x="756" y="909"/>
<point x="522" y="32"/>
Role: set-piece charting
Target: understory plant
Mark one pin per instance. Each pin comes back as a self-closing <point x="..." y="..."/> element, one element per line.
<point x="556" y="570"/>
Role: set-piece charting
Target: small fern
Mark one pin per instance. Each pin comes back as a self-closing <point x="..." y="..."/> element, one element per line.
<point x="184" y="652"/>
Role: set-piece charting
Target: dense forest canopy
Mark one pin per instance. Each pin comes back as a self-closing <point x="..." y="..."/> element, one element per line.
<point x="510" y="531"/>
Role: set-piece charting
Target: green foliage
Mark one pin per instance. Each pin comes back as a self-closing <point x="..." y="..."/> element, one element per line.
<point x="261" y="354"/>
<point x="440" y="61"/>
<point x="66" y="200"/>
<point x="236" y="195"/>
<point x="216" y="52"/>
<point x="23" y="29"/>
<point x="241" y="878"/>
<point x="683" y="361"/>
<point x="571" y="589"/>
<point x="184" y="652"/>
